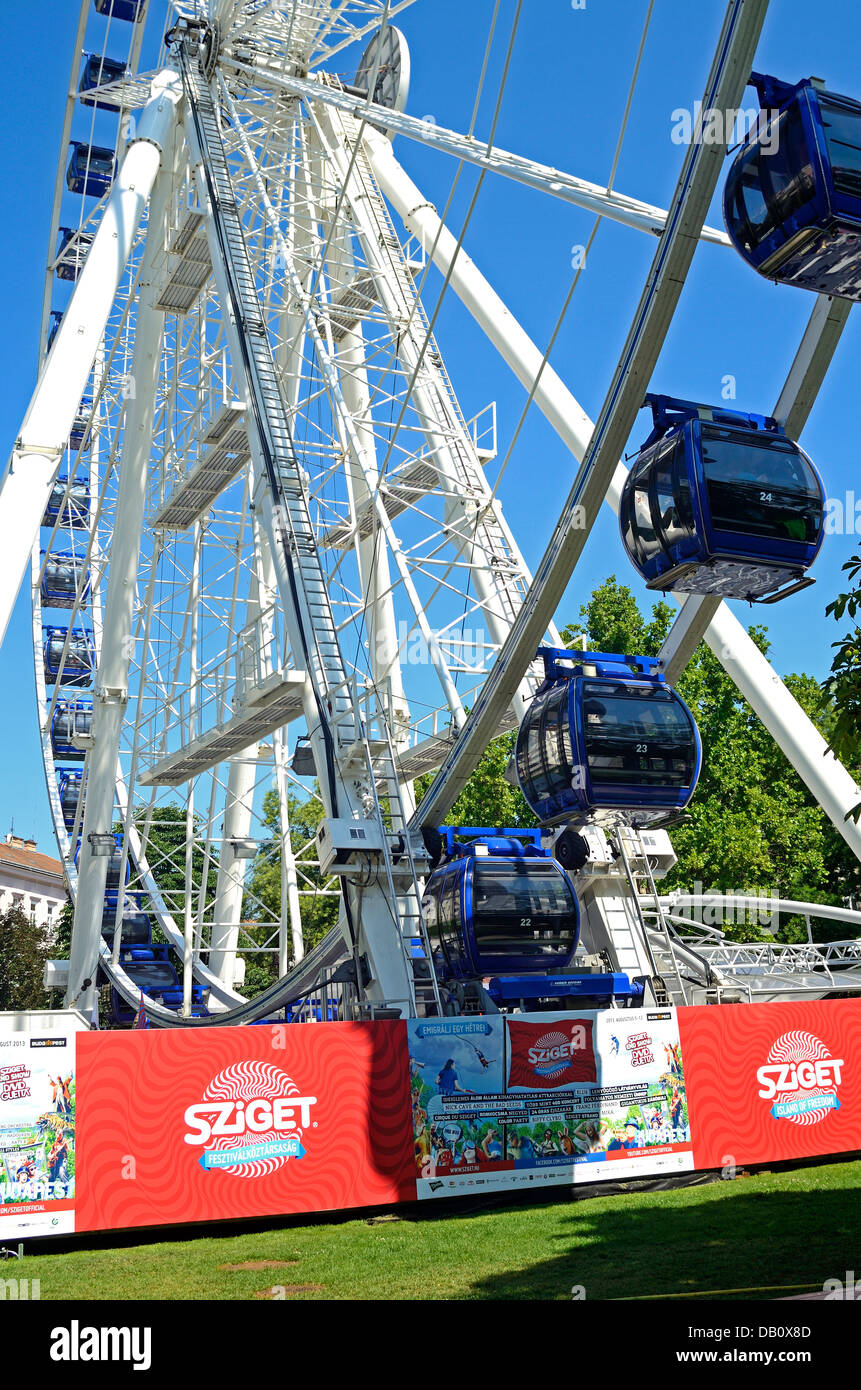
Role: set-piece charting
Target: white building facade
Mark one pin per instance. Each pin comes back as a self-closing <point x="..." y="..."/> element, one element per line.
<point x="31" y="881"/>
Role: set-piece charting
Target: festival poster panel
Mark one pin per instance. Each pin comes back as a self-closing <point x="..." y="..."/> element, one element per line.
<point x="38" y="1160"/>
<point x="586" y="1096"/>
<point x="457" y="1074"/>
<point x="770" y="1082"/>
<point x="604" y="1093"/>
<point x="185" y="1126"/>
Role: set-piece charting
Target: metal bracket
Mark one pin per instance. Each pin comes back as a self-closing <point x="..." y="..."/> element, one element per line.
<point x="784" y="593"/>
<point x="48" y="451"/>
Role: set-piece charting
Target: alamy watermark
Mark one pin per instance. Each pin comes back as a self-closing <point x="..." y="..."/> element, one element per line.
<point x="84" y="1343"/>
<point x="843" y="515"/>
<point x="468" y="647"/>
<point x="847" y="1289"/>
<point x="757" y="907"/>
<point x="699" y="125"/>
<point x="20" y="1290"/>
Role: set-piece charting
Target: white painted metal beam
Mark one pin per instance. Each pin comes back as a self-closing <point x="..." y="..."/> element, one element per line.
<point x="632" y="212"/>
<point x="27" y="482"/>
<point x="112" y="678"/>
<point x="687" y="632"/>
<point x="807" y="373"/>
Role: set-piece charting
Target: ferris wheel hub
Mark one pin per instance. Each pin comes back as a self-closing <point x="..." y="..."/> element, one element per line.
<point x="383" y="75"/>
<point x="200" y="34"/>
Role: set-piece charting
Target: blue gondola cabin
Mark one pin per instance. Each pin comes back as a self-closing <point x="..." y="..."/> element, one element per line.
<point x="718" y="502"/>
<point x="81" y="424"/>
<point x="792" y="199"/>
<point x="135" y="925"/>
<point x="63" y="574"/>
<point x="131" y="10"/>
<point x="71" y="254"/>
<point x="602" y="738"/>
<point x="71" y="730"/>
<point x="78" y="665"/>
<point x="68" y="504"/>
<point x="70" y="786"/>
<point x="99" y="71"/>
<point x="499" y="906"/>
<point x="54" y="320"/>
<point x="91" y="169"/>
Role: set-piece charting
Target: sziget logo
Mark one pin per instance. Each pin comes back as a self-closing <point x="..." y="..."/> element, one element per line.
<point x="251" y="1119"/>
<point x="554" y="1051"/>
<point x="801" y="1077"/>
<point x="548" y="1055"/>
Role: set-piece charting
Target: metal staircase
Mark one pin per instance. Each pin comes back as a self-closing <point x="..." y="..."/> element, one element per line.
<point x="266" y="404"/>
<point x="347" y="737"/>
<point x="403" y="871"/>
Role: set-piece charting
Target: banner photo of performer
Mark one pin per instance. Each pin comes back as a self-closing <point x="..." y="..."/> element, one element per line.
<point x="549" y="1098"/>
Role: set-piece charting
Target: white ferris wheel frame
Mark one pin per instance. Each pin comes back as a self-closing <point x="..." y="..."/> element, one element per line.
<point x="340" y="124"/>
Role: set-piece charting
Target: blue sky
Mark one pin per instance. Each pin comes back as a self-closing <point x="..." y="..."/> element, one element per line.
<point x="563" y="105"/>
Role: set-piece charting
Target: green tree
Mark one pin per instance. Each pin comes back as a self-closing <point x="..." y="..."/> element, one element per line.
<point x="165" y="853"/>
<point x="613" y="622"/>
<point x="840" y="712"/>
<point x="842" y="689"/>
<point x="24" y="949"/>
<point x="752" y="823"/>
<point x="62" y="943"/>
<point x="488" y="798"/>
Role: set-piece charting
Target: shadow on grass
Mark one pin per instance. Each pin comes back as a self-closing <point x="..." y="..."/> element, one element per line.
<point x="717" y="1240"/>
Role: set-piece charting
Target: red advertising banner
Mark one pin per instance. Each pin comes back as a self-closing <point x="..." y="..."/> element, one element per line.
<point x="183" y="1126"/>
<point x="768" y="1082"/>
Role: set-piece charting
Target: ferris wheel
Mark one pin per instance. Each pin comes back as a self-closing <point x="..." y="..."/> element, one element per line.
<point x="266" y="532"/>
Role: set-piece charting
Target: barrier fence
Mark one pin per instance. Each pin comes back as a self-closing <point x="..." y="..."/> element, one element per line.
<point x="115" y="1130"/>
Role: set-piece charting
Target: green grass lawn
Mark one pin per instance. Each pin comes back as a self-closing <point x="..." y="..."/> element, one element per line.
<point x="768" y="1235"/>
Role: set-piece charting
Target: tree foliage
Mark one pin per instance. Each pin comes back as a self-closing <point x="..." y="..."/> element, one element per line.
<point x="843" y="687"/>
<point x="165" y="852"/>
<point x="488" y="799"/>
<point x="62" y="943"/>
<point x="24" y="949"/>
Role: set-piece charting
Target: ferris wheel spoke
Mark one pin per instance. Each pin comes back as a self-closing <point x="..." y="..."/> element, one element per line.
<point x="26" y="488"/>
<point x="115" y="656"/>
<point x="632" y="212"/>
